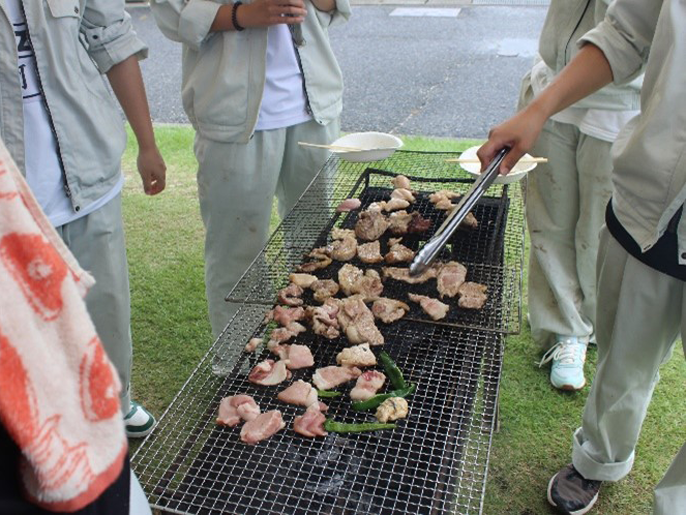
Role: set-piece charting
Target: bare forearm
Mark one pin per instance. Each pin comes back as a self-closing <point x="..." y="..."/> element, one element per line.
<point x="127" y="84"/>
<point x="260" y="13"/>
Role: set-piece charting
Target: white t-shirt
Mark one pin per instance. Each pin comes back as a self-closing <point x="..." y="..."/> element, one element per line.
<point x="602" y="124"/>
<point x="283" y="100"/>
<point x="43" y="169"/>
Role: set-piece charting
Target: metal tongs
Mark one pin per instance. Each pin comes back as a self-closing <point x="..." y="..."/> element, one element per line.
<point x="433" y="247"/>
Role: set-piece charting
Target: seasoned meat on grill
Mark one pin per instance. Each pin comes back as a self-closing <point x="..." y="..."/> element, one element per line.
<point x="432" y="307"/>
<point x="370" y="252"/>
<point x="391" y="409"/>
<point x="357" y="355"/>
<point x="369" y="285"/>
<point x="343" y="250"/>
<point x="299" y="393"/>
<point x="235" y="408"/>
<point x="339" y="234"/>
<point x="358" y="322"/>
<point x="472" y="295"/>
<point x="400" y="181"/>
<point x="311" y="424"/>
<point x="418" y="224"/>
<point x="399" y="253"/>
<point x="348" y="275"/>
<point x="399" y="222"/>
<point x="330" y="377"/>
<point x="404" y="194"/>
<point x="371" y="225"/>
<point x="320" y="259"/>
<point x="283" y="315"/>
<point x="395" y="204"/>
<point x="389" y="310"/>
<point x="324" y="289"/>
<point x="302" y="280"/>
<point x="262" y="427"/>
<point x="348" y="205"/>
<point x="290" y="295"/>
<point x="367" y="385"/>
<point x="252" y="344"/>
<point x="325" y="319"/>
<point x="450" y="277"/>
<point x="403" y="274"/>
<point x="269" y="373"/>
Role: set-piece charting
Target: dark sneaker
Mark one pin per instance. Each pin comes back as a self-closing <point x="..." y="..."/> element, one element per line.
<point x="138" y="422"/>
<point x="571" y="493"/>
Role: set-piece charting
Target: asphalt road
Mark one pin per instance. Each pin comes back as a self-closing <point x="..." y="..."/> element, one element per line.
<point x="438" y="76"/>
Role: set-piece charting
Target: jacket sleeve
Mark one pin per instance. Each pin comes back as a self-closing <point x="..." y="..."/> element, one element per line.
<point x="339" y="15"/>
<point x="186" y="21"/>
<point x="625" y="36"/>
<point x="109" y="34"/>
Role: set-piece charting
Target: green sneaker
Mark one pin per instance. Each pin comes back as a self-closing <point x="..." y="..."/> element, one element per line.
<point x="138" y="422"/>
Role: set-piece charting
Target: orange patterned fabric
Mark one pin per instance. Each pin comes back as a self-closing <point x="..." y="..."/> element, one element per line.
<point x="59" y="393"/>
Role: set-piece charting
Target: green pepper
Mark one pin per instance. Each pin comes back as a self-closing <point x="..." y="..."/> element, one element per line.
<point x="327" y="393"/>
<point x="394" y="374"/>
<point x="338" y="427"/>
<point x="375" y="401"/>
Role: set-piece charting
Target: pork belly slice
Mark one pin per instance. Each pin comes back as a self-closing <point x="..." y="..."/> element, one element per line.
<point x="370" y="252"/>
<point x="357" y="321"/>
<point x="235" y="408"/>
<point x="472" y="295"/>
<point x="400" y="181"/>
<point x="432" y="307"/>
<point x="252" y="344"/>
<point x="389" y="310"/>
<point x="403" y="274"/>
<point x="330" y="377"/>
<point x="284" y="315"/>
<point x="343" y="250"/>
<point x="399" y="253"/>
<point x="324" y="289"/>
<point x="325" y="319"/>
<point x="319" y="259"/>
<point x="311" y="424"/>
<point x="269" y="373"/>
<point x="290" y="295"/>
<point x="367" y="385"/>
<point x="295" y="356"/>
<point x="450" y="277"/>
<point x="371" y="225"/>
<point x="262" y="427"/>
<point x="283" y="334"/>
<point x="404" y="194"/>
<point x="299" y="393"/>
<point x="348" y="204"/>
<point x="302" y="280"/>
<point x="357" y="355"/>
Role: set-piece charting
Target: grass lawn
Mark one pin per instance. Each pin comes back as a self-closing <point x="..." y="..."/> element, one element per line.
<point x="171" y="333"/>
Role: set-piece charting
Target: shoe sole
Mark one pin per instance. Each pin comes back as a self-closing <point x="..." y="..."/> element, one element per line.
<point x="140" y="434"/>
<point x="582" y="511"/>
<point x="570" y="388"/>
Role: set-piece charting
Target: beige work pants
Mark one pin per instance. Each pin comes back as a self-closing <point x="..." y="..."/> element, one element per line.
<point x="640" y="315"/>
<point x="236" y="186"/>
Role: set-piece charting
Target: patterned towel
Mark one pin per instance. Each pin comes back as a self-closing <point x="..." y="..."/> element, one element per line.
<point x="59" y="393"/>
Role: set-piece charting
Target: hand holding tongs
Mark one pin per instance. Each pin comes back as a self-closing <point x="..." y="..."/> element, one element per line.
<point x="430" y="250"/>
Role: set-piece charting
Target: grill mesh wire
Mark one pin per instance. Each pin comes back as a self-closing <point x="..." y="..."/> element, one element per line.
<point x="435" y="461"/>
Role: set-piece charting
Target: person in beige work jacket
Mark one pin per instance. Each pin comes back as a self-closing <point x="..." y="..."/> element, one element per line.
<point x="257" y="78"/>
<point x="642" y="255"/>
<point x="64" y="130"/>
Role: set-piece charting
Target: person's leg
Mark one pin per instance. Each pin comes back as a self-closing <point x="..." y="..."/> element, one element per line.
<point x="670" y="493"/>
<point x="236" y="185"/>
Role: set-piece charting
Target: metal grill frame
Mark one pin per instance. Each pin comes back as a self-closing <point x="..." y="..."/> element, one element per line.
<point x="165" y="461"/>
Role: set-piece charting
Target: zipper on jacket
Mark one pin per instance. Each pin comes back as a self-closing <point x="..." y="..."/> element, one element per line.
<point x="571" y="35"/>
<point x="67" y="191"/>
<point x="308" y="109"/>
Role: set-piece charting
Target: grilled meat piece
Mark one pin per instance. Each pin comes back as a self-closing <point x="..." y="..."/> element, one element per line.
<point x="403" y="274"/>
<point x="450" y="277"/>
<point x="283" y="315"/>
<point x="444" y="204"/>
<point x="325" y="319"/>
<point x="269" y="373"/>
<point x="470" y="222"/>
<point x="283" y="334"/>
<point x="290" y="295"/>
<point x="369" y="285"/>
<point x="395" y="204"/>
<point x="391" y="409"/>
<point x="389" y="310"/>
<point x="252" y="344"/>
<point x="441" y="195"/>
<point x="320" y="259"/>
<point x="235" y="408"/>
<point x="348" y="275"/>
<point x="348" y="205"/>
<point x="472" y="295"/>
<point x="367" y="385"/>
<point x="371" y="225"/>
<point x="324" y="289"/>
<point x="357" y="355"/>
<point x="299" y="393"/>
<point x="262" y="427"/>
<point x="338" y="234"/>
<point x="403" y="194"/>
<point x="399" y="222"/>
<point x="302" y="280"/>
<point x="418" y="224"/>
<point x="370" y="252"/>
<point x="330" y="377"/>
<point x="343" y="250"/>
<point x="399" y="253"/>
<point x="358" y="322"/>
<point x="400" y="181"/>
<point x="432" y="307"/>
<point x="311" y="424"/>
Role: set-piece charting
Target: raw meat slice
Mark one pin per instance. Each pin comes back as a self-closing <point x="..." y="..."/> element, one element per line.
<point x="432" y="307"/>
<point x="348" y="205"/>
<point x="330" y="377"/>
<point x="235" y="408"/>
<point x="299" y="393"/>
<point x="389" y="310"/>
<point x="450" y="277"/>
<point x="299" y="356"/>
<point x="252" y="344"/>
<point x="370" y="252"/>
<point x="283" y="315"/>
<point x="262" y="427"/>
<point x="371" y="225"/>
<point x="367" y="385"/>
<point x="311" y="424"/>
<point x="357" y="355"/>
<point x="472" y="295"/>
<point x="269" y="373"/>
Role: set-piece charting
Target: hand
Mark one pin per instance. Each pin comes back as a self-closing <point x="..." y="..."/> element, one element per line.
<point x="152" y="169"/>
<point x="519" y="133"/>
<point x="265" y="13"/>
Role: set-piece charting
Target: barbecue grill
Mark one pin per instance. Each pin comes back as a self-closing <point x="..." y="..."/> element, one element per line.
<point x="436" y="460"/>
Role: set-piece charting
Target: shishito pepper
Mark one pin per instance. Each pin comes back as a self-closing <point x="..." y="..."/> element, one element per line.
<point x="337" y="427"/>
<point x="395" y="375"/>
<point x="375" y="401"/>
<point x="327" y="393"/>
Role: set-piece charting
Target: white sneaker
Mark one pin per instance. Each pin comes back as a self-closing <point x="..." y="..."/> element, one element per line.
<point x="568" y="356"/>
<point x="138" y="422"/>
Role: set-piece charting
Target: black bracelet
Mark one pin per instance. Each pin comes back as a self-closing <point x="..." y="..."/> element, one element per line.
<point x="234" y="18"/>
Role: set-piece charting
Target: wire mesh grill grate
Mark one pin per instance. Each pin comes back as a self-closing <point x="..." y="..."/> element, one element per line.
<point x="434" y="462"/>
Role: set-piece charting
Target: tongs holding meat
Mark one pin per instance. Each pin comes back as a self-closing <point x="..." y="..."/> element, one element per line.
<point x="433" y="247"/>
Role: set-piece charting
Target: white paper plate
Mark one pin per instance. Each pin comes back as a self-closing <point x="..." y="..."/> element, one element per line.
<point x="519" y="170"/>
<point x="376" y="145"/>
